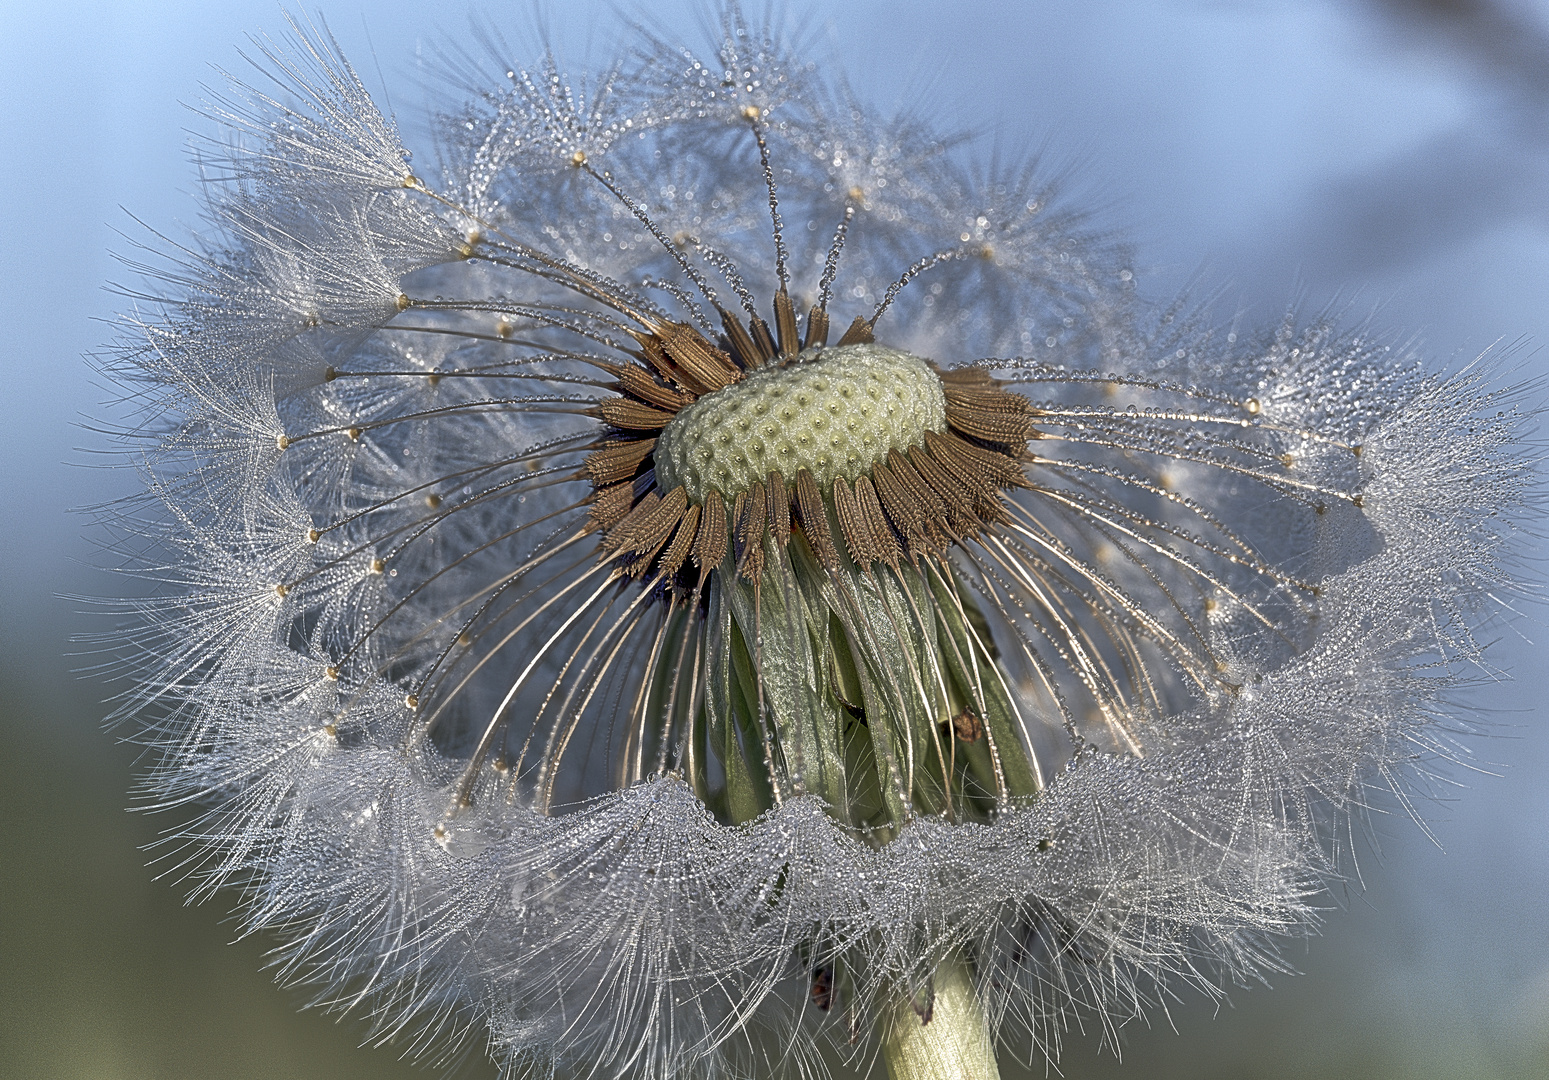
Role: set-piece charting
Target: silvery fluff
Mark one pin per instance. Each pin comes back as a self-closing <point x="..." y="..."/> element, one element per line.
<point x="707" y="580"/>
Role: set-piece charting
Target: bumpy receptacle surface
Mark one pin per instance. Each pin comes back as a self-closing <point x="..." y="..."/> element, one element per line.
<point x="834" y="414"/>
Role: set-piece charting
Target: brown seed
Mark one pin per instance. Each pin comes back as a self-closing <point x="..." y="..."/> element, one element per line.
<point x="959" y="504"/>
<point x="814" y="520"/>
<point x="752" y="506"/>
<point x="763" y="338"/>
<point x="682" y="542"/>
<point x="631" y="415"/>
<point x="949" y="454"/>
<point x="985" y="394"/>
<point x="852" y="524"/>
<point x="617" y="461"/>
<point x="779" y="513"/>
<point x="823" y="986"/>
<point x="1004" y="470"/>
<point x="993" y="415"/>
<point x="710" y="544"/>
<point x="934" y="511"/>
<point x="702" y="362"/>
<point x="885" y="544"/>
<point x="623" y="534"/>
<point x="817" y="328"/>
<point x="610" y="506"/>
<point x="979" y="474"/>
<point x="902" y="509"/>
<point x="652" y="352"/>
<point x="638" y="382"/>
<point x="742" y="346"/>
<point x="965" y="377"/>
<point x="859" y="333"/>
<point x="785" y="323"/>
<point x="649" y="525"/>
<point x="968" y="727"/>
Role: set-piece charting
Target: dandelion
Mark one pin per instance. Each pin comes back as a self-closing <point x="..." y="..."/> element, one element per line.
<point x="703" y="581"/>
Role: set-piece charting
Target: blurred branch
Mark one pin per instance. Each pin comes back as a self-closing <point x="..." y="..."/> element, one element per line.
<point x="1489" y="170"/>
<point x="1500" y="43"/>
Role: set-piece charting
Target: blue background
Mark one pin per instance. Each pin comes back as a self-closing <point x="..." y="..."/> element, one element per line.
<point x="1387" y="156"/>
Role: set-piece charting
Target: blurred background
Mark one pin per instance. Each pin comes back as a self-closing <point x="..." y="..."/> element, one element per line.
<point x="1388" y="157"/>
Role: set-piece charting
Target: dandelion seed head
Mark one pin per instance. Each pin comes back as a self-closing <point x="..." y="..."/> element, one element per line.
<point x="711" y="573"/>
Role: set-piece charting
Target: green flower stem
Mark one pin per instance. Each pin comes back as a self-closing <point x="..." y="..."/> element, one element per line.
<point x="940" y="1033"/>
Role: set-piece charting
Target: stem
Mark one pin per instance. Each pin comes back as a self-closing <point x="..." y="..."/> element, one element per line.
<point x="955" y="1042"/>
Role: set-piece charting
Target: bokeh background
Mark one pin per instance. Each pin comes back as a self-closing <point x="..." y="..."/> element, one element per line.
<point x="1386" y="157"/>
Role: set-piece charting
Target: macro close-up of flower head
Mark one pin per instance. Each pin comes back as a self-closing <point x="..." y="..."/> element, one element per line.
<point x="699" y="577"/>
